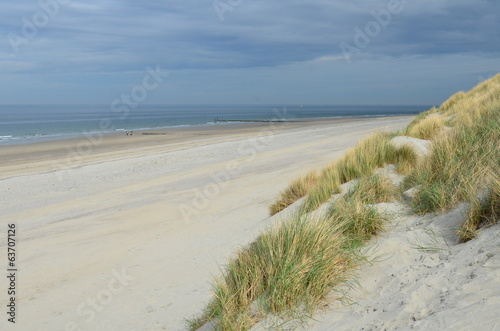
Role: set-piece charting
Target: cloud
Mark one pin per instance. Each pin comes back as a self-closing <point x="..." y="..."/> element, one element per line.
<point x="257" y="33"/>
<point x="111" y="36"/>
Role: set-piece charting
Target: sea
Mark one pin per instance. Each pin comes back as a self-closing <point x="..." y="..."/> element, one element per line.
<point x="21" y="124"/>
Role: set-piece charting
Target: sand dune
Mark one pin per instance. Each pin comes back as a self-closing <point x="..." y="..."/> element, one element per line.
<point x="419" y="278"/>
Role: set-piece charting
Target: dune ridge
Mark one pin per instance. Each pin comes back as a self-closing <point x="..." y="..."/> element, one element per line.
<point x="449" y="160"/>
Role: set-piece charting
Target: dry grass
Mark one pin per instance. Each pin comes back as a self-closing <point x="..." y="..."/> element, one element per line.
<point x="297" y="189"/>
<point x="451" y="102"/>
<point x="482" y="213"/>
<point x="428" y="127"/>
<point x="420" y="117"/>
<point x="371" y="153"/>
<point x="328" y="183"/>
<point x="362" y="160"/>
<point x="460" y="163"/>
<point x="373" y="189"/>
<point x="405" y="159"/>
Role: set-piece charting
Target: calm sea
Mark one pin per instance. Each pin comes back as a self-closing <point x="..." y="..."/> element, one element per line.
<point x="21" y="124"/>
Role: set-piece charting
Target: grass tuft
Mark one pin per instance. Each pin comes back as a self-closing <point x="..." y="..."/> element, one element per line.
<point x="420" y="117"/>
<point x="359" y="221"/>
<point x="482" y="213"/>
<point x="297" y="189"/>
<point x="369" y="154"/>
<point x="405" y="159"/>
<point x="327" y="185"/>
<point x="373" y="189"/>
<point x="295" y="263"/>
<point x="362" y="160"/>
<point x="428" y="127"/>
<point x="448" y="104"/>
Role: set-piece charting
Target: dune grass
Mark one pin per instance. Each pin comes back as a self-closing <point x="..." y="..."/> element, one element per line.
<point x="460" y="164"/>
<point x="483" y="212"/>
<point x="369" y="154"/>
<point x="328" y="183"/>
<point x="451" y="102"/>
<point x="359" y="221"/>
<point x="372" y="189"/>
<point x="405" y="159"/>
<point x="427" y="128"/>
<point x="295" y="263"/>
<point x="289" y="269"/>
<point x="420" y="117"/>
<point x="362" y="160"/>
<point x="297" y="189"/>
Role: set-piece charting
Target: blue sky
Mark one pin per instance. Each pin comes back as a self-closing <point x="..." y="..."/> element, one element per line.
<point x="247" y="51"/>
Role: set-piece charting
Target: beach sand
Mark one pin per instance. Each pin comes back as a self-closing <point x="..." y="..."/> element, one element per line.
<point x="421" y="277"/>
<point x="127" y="233"/>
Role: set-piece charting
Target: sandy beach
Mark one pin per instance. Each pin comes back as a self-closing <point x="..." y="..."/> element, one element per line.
<point x="127" y="233"/>
<point x="250" y="165"/>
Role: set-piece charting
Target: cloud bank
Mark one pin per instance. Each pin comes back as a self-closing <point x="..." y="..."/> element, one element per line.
<point x="48" y="38"/>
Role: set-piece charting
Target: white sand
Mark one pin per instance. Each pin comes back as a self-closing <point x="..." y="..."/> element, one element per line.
<point x="103" y="245"/>
<point x="423" y="279"/>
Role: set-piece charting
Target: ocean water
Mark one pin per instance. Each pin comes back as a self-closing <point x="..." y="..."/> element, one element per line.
<point x="21" y="124"/>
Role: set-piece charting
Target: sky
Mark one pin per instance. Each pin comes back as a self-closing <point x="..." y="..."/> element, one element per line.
<point x="352" y="52"/>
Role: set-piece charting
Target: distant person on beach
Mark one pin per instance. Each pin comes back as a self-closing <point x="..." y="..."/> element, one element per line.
<point x="127" y="133"/>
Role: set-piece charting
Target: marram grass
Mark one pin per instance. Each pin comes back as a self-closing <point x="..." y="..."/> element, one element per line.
<point x="372" y="189"/>
<point x="483" y="212"/>
<point x="297" y="189"/>
<point x="371" y="153"/>
<point x="420" y="117"/>
<point x="428" y="127"/>
<point x="460" y="164"/>
<point x="359" y="221"/>
<point x="328" y="183"/>
<point x="295" y="263"/>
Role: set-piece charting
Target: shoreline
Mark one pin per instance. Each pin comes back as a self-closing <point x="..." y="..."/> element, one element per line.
<point x="34" y="123"/>
<point x="89" y="149"/>
<point x="45" y="138"/>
